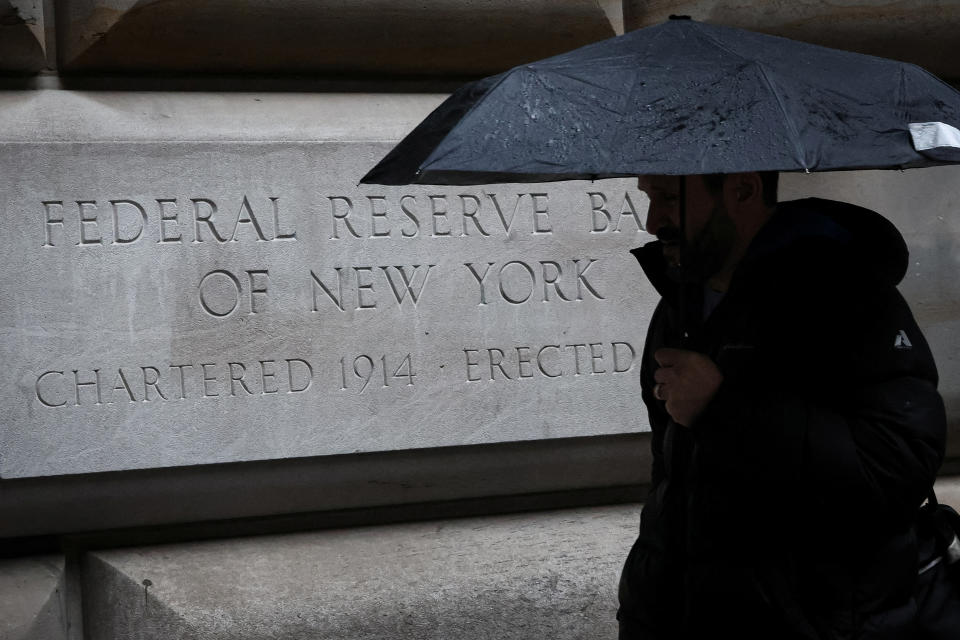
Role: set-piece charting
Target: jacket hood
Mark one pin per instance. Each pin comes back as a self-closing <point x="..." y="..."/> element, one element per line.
<point x="871" y="242"/>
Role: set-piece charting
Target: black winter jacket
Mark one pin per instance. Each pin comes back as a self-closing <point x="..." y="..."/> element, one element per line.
<point x="787" y="510"/>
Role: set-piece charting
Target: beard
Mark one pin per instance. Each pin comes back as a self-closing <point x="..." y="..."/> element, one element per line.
<point x="705" y="253"/>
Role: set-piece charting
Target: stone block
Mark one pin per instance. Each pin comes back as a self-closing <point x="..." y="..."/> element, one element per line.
<point x="32" y="599"/>
<point x="542" y="575"/>
<point x="378" y="37"/>
<point x="22" y="39"/>
<point x="181" y="302"/>
<point x="919" y="31"/>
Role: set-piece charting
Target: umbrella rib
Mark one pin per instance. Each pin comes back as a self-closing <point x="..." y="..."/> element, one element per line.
<point x="791" y="126"/>
<point x="717" y="43"/>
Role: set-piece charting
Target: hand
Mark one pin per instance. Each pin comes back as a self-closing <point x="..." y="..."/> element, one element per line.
<point x="686" y="382"/>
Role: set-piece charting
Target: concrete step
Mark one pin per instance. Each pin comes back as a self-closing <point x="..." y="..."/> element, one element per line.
<point x="549" y="574"/>
<point x="534" y="575"/>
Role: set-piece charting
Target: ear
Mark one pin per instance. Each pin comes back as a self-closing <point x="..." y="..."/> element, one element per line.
<point x="743" y="189"/>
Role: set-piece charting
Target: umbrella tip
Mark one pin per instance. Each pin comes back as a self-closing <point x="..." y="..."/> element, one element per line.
<point x="674" y="16"/>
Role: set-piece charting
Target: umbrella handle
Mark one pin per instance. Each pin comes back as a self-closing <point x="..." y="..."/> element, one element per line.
<point x="683" y="336"/>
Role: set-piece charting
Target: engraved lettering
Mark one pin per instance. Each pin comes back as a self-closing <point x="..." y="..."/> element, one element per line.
<point x="521" y="362"/>
<point x="602" y="218"/>
<point x="83" y="221"/>
<point x="498" y="363"/>
<point x="234" y="378"/>
<point x="551" y="279"/>
<point x="628" y="206"/>
<point x="246" y="216"/>
<point x="582" y="279"/>
<point x="403" y="281"/>
<point x="89" y="385"/>
<point x="506" y="224"/>
<point x="338" y="299"/>
<point x="376" y="214"/>
<point x="472" y="215"/>
<point x="404" y="370"/>
<point x="306" y="374"/>
<point x="517" y="280"/>
<point x="77" y="385"/>
<point x="344" y="217"/>
<point x="471" y="363"/>
<point x="616" y="360"/>
<point x="140" y="221"/>
<point x="224" y="289"/>
<point x="277" y="234"/>
<point x="365" y="367"/>
<point x="598" y="202"/>
<point x="183" y="382"/>
<point x="362" y="369"/>
<point x="529" y="288"/>
<point x="211" y="210"/>
<point x="120" y="383"/>
<point x="207" y="380"/>
<point x="523" y="359"/>
<point x="596" y="354"/>
<point x="438" y="209"/>
<point x="49" y="220"/>
<point x="400" y="293"/>
<point x="257" y="289"/>
<point x="147" y="383"/>
<point x="576" y="355"/>
<point x="411" y="215"/>
<point x="165" y="218"/>
<point x="540" y="214"/>
<point x="363" y="287"/>
<point x="270" y="375"/>
<point x="45" y="398"/>
<point x="540" y="366"/>
<point x="480" y="279"/>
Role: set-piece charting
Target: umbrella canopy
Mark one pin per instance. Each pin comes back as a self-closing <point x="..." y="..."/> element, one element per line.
<point x="682" y="97"/>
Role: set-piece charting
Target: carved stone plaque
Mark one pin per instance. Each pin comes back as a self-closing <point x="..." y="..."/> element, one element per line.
<point x="183" y="303"/>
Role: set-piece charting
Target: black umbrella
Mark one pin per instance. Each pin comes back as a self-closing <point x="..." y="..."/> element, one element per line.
<point x="679" y="98"/>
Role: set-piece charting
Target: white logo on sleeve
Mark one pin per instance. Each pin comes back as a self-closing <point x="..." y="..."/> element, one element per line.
<point x="902" y="342"/>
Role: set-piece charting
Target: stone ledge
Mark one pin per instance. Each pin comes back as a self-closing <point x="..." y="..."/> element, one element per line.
<point x="54" y="115"/>
<point x="283" y="495"/>
<point x="381" y="37"/>
<point x="542" y="575"/>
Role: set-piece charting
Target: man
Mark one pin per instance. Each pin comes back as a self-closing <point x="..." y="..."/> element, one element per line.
<point x="796" y="422"/>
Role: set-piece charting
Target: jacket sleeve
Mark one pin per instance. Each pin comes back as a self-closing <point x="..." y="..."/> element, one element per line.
<point x="841" y="406"/>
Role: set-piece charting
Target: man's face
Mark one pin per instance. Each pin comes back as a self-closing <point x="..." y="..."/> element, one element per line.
<point x="710" y="231"/>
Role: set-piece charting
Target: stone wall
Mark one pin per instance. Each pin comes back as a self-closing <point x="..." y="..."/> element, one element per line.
<point x="210" y="330"/>
<point x="919" y="31"/>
